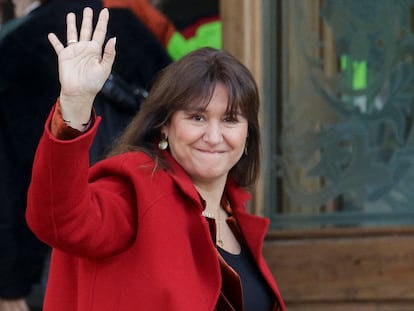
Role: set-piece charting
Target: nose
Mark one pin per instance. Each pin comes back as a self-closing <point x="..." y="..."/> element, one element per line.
<point x="213" y="134"/>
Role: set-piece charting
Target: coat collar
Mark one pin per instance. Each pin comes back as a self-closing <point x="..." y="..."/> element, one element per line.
<point x="181" y="178"/>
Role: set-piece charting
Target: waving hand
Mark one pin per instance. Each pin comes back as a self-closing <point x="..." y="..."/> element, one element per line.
<point x="83" y="67"/>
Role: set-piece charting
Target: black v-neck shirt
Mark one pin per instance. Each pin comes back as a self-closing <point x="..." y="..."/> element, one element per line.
<point x="257" y="296"/>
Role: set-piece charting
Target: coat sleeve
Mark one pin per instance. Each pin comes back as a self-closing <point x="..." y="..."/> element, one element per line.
<point x="66" y="211"/>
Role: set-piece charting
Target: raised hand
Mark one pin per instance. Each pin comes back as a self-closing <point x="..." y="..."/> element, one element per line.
<point x="83" y="68"/>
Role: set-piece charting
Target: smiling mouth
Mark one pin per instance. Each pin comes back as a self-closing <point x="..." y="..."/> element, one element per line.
<point x="210" y="151"/>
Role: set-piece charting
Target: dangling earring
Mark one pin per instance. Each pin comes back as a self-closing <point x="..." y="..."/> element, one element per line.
<point x="163" y="144"/>
<point x="245" y="148"/>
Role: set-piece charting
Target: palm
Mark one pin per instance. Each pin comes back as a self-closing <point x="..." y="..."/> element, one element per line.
<point x="81" y="70"/>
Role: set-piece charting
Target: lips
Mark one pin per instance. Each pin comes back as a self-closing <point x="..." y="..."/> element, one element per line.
<point x="210" y="151"/>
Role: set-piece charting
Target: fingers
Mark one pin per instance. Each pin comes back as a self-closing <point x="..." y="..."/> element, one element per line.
<point x="86" y="28"/>
<point x="101" y="27"/>
<point x="71" y="31"/>
<point x="85" y="31"/>
<point x="55" y="42"/>
<point x="109" y="53"/>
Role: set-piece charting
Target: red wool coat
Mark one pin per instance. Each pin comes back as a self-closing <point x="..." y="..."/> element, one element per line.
<point x="125" y="236"/>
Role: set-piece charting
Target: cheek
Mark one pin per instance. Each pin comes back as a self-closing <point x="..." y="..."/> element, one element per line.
<point x="179" y="141"/>
<point x="178" y="138"/>
<point x="184" y="134"/>
<point x="238" y="139"/>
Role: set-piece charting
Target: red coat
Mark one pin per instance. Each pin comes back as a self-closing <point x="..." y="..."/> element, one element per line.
<point x="125" y="236"/>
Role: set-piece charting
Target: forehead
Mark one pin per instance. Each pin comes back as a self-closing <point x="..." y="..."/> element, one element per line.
<point x="216" y="93"/>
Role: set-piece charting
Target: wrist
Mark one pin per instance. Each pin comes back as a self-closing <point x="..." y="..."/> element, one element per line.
<point x="83" y="127"/>
<point x="76" y="111"/>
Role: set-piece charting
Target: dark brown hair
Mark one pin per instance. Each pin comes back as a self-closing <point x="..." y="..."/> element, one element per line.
<point x="188" y="82"/>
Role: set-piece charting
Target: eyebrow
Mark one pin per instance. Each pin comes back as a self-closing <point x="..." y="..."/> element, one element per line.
<point x="195" y="109"/>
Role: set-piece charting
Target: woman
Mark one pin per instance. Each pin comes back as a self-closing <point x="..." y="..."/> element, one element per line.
<point x="161" y="224"/>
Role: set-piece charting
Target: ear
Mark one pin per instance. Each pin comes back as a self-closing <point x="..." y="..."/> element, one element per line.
<point x="164" y="130"/>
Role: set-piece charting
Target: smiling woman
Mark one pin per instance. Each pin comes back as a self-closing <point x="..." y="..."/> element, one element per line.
<point x="164" y="213"/>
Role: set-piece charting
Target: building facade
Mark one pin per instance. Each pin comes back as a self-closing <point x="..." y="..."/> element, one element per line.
<point x="338" y="137"/>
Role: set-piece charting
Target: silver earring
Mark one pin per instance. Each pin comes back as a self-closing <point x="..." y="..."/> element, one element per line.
<point x="163" y="144"/>
<point x="245" y="149"/>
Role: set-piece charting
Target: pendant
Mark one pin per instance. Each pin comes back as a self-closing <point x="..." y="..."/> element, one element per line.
<point x="220" y="242"/>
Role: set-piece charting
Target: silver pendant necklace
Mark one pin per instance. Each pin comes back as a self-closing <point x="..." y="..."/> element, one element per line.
<point x="217" y="219"/>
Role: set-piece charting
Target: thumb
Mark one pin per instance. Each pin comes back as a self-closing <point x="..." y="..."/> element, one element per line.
<point x="109" y="53"/>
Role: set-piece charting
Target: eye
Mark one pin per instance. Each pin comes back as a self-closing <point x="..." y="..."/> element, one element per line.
<point x="197" y="117"/>
<point x="231" y="119"/>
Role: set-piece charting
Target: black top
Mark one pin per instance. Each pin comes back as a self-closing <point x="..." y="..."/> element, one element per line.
<point x="257" y="296"/>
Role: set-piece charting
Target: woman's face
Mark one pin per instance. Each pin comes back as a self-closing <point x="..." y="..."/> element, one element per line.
<point x="207" y="143"/>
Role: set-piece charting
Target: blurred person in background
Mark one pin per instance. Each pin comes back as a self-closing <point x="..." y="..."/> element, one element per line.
<point x="197" y="24"/>
<point x="19" y="270"/>
<point x="19" y="11"/>
<point x="181" y="26"/>
<point x="28" y="86"/>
